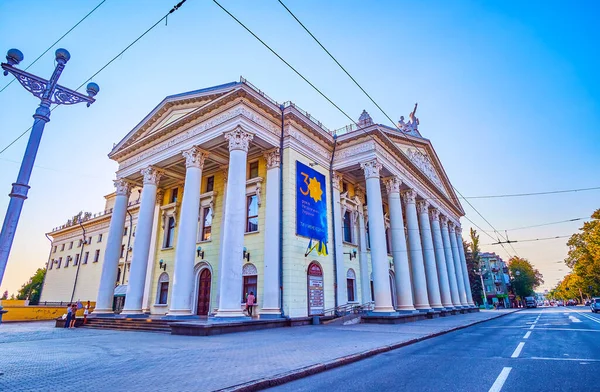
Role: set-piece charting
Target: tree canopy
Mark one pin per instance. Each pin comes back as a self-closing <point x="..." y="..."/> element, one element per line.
<point x="472" y="258"/>
<point x="525" y="277"/>
<point x="33" y="288"/>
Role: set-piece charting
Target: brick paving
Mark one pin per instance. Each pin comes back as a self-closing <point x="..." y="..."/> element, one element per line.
<point x="39" y="357"/>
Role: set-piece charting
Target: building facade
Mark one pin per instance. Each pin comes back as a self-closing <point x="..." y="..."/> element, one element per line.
<point x="240" y="194"/>
<point x="496" y="280"/>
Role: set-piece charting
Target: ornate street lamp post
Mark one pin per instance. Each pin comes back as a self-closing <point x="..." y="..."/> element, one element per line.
<point x="49" y="92"/>
<point x="481" y="272"/>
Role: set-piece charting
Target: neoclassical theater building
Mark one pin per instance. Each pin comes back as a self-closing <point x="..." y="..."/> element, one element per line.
<point x="236" y="193"/>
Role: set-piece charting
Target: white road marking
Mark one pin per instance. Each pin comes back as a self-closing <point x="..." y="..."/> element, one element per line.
<point x="497" y="387"/>
<point x="589" y="317"/>
<point x="518" y="350"/>
<point x="527" y="335"/>
<point x="565" y="359"/>
<point x="533" y="326"/>
<point x="574" y="319"/>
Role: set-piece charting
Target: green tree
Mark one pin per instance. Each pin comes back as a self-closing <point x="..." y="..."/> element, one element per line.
<point x="33" y="288"/>
<point x="473" y="264"/>
<point x="584" y="256"/>
<point x="5" y="295"/>
<point x="525" y="277"/>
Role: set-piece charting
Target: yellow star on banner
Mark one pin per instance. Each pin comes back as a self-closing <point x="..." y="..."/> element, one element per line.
<point x="314" y="187"/>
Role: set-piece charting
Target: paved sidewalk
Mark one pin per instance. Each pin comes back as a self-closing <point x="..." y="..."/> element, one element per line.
<point x="38" y="357"/>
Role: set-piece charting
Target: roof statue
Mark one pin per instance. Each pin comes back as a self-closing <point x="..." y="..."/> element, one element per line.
<point x="364" y="120"/>
<point x="413" y="121"/>
<point x="412" y="126"/>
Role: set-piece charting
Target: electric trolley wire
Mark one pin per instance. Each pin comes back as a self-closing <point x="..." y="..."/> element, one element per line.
<point x="55" y="42"/>
<point x="547" y="224"/>
<point x="534" y="239"/>
<point x="379" y="107"/>
<point x="175" y="8"/>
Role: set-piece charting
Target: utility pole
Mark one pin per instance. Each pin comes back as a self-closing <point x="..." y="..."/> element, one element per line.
<point x="49" y="92"/>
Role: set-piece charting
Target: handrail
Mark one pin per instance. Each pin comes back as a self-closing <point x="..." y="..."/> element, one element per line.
<point x="349" y="308"/>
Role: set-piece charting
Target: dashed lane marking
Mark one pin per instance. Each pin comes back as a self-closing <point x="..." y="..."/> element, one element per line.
<point x="574" y="319"/>
<point x="588" y="317"/>
<point x="517" y="351"/>
<point x="527" y="335"/>
<point x="497" y="386"/>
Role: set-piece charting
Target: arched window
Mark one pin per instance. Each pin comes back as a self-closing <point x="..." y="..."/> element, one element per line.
<point x="250" y="276"/>
<point x="163" y="289"/>
<point x="351" y="285"/>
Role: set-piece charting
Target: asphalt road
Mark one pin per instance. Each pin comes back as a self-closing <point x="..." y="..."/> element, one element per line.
<point x="545" y="349"/>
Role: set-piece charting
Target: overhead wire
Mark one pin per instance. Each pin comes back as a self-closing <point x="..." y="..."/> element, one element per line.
<point x="175" y="8"/>
<point x="546" y="224"/>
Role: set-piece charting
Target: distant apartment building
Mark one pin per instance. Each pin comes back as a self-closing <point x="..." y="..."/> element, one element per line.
<point x="496" y="280"/>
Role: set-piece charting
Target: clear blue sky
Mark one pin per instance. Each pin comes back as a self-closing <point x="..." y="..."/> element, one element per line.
<point x="508" y="93"/>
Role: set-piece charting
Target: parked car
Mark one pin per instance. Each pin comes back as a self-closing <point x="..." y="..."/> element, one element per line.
<point x="595" y="305"/>
<point x="530" y="302"/>
<point x="587" y="302"/>
<point x="571" y="303"/>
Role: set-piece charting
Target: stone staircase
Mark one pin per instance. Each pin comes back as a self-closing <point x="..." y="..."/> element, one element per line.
<point x="129" y="324"/>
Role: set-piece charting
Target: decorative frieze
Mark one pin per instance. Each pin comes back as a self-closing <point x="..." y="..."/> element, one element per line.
<point x="371" y="168"/>
<point x="194" y="157"/>
<point x="239" y="139"/>
<point x="151" y="175"/>
<point x="422" y="161"/>
<point x="355" y="150"/>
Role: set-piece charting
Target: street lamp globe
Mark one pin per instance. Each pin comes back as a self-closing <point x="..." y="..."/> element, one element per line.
<point x="518" y="273"/>
<point x="92" y="89"/>
<point x="14" y="56"/>
<point x="62" y="54"/>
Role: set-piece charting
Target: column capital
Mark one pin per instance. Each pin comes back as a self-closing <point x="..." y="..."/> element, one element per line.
<point x="434" y="213"/>
<point x="371" y="168"/>
<point x="151" y="175"/>
<point x="392" y="184"/>
<point x="409" y="196"/>
<point x="458" y="229"/>
<point x="273" y="158"/>
<point x="123" y="187"/>
<point x="444" y="220"/>
<point x="194" y="157"/>
<point x="451" y="225"/>
<point x="423" y="207"/>
<point x="336" y="180"/>
<point x="239" y="139"/>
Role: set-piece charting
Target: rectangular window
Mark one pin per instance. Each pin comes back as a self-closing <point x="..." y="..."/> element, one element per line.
<point x="89" y="241"/>
<point x="206" y="223"/>
<point x="97" y="256"/>
<point x="173" y="198"/>
<point x="253" y="170"/>
<point x="59" y="262"/>
<point x="250" y="286"/>
<point x="79" y="243"/>
<point x="51" y="264"/>
<point x="252" y="214"/>
<point x="350" y="287"/>
<point x="170" y="232"/>
<point x="67" y="261"/>
<point x="70" y="245"/>
<point x="54" y="251"/>
<point x="124" y="232"/>
<point x="76" y="259"/>
<point x="62" y="247"/>
<point x="86" y="256"/>
<point x="347" y="229"/>
<point x="164" y="291"/>
<point x="210" y="184"/>
<point x="122" y="251"/>
<point x="99" y="237"/>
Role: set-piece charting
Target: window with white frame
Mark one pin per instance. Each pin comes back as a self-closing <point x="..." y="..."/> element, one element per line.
<point x="99" y="237"/>
<point x="62" y="247"/>
<point x="51" y="264"/>
<point x="351" y="285"/>
<point x="169" y="232"/>
<point x="76" y="259"/>
<point x="86" y="256"/>
<point x="79" y="243"/>
<point x="59" y="262"/>
<point x="206" y="224"/>
<point x="97" y="256"/>
<point x="162" y="293"/>
<point x="252" y="170"/>
<point x="70" y="245"/>
<point x="252" y="213"/>
<point x="54" y="250"/>
<point x="347" y="229"/>
<point x="67" y="261"/>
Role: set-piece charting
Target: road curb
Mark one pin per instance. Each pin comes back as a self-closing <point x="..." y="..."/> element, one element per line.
<point x="282" y="378"/>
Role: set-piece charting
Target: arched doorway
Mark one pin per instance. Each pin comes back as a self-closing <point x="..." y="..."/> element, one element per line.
<point x="204" y="282"/>
<point x="316" y="297"/>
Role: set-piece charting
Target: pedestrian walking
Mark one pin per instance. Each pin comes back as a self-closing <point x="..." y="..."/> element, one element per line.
<point x="68" y="318"/>
<point x="73" y="315"/>
<point x="250" y="299"/>
<point x="86" y="311"/>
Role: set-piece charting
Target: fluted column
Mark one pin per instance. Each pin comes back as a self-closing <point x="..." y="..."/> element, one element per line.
<point x="463" y="263"/>
<point x="379" y="259"/>
<point x="462" y="294"/>
<point x="230" y="276"/>
<point x="440" y="259"/>
<point x="106" y="290"/>
<point x="270" y="295"/>
<point x="404" y="292"/>
<point x="340" y="270"/>
<point x="433" y="284"/>
<point x="147" y="301"/>
<point x="141" y="244"/>
<point x="365" y="280"/>
<point x="450" y="263"/>
<point x="419" y="281"/>
<point x="185" y="248"/>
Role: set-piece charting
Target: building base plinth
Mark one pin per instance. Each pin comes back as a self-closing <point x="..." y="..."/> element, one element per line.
<point x="214" y="326"/>
<point x="393" y="318"/>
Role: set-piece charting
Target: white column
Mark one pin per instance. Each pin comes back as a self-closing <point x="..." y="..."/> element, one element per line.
<point x="404" y="294"/>
<point x="363" y="262"/>
<point x="147" y="301"/>
<point x="433" y="283"/>
<point x="230" y="285"/>
<point x="270" y="297"/>
<point x="141" y="244"/>
<point x="463" y="263"/>
<point x="222" y="232"/>
<point x="185" y="248"/>
<point x="450" y="263"/>
<point x="106" y="290"/>
<point x="462" y="294"/>
<point x="340" y="270"/>
<point x="416" y="251"/>
<point x="440" y="258"/>
<point x="379" y="258"/>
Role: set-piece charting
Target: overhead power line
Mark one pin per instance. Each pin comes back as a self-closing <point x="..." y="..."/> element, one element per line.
<point x="534" y="193"/>
<point x="547" y="224"/>
<point x="55" y="42"/>
<point x="175" y="8"/>
<point x="531" y="240"/>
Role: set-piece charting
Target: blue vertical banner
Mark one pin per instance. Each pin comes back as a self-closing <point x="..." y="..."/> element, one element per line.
<point x="311" y="207"/>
